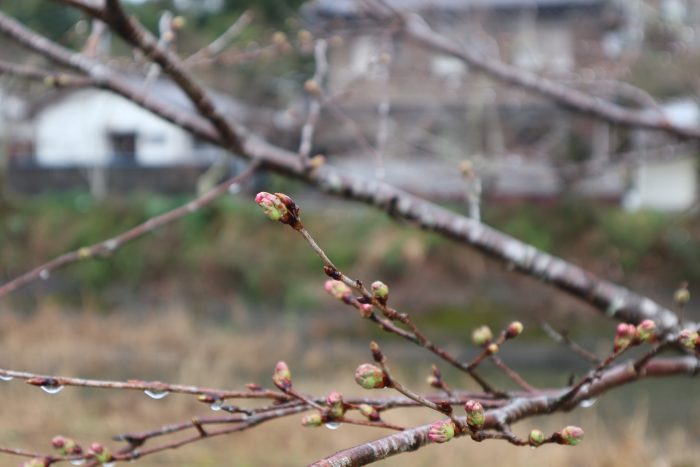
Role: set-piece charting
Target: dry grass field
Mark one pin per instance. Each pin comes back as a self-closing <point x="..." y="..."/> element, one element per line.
<point x="171" y="346"/>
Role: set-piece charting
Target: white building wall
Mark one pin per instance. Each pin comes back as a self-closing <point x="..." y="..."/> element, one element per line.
<point x="668" y="185"/>
<point x="75" y="131"/>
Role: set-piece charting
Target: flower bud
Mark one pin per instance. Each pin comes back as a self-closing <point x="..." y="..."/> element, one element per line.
<point x="273" y="207"/>
<point x="476" y="417"/>
<point x="101" y="453"/>
<point x="514" y="329"/>
<point x="492" y="348"/>
<point x="481" y="335"/>
<point x="380" y="291"/>
<point x="682" y="295"/>
<point x="434" y="381"/>
<point x="36" y="462"/>
<point x="314" y="419"/>
<point x="369" y="376"/>
<point x="625" y="336"/>
<point x="311" y="86"/>
<point x="338" y="290"/>
<point x="366" y="310"/>
<point x="336" y="408"/>
<point x="688" y="338"/>
<point x="368" y="411"/>
<point x="645" y="330"/>
<point x="536" y="437"/>
<point x="282" y="377"/>
<point x="571" y="435"/>
<point x="66" y="446"/>
<point x="441" y="431"/>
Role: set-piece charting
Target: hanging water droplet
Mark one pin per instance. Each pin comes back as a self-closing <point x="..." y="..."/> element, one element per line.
<point x="155" y="394"/>
<point x="109" y="464"/>
<point x="44" y="274"/>
<point x="52" y="388"/>
<point x="586" y="403"/>
<point x="532" y="447"/>
<point x="6" y="377"/>
<point x="216" y="405"/>
<point x="78" y="461"/>
<point x="333" y="425"/>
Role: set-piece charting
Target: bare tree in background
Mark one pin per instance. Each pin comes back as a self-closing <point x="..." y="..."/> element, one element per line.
<point x="480" y="415"/>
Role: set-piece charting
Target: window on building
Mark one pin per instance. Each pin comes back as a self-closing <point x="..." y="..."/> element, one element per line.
<point x="123" y="146"/>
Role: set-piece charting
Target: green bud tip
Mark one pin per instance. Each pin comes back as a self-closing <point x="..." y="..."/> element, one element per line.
<point x="571" y="435"/>
<point x="368" y="411"/>
<point x="100" y="453"/>
<point x="282" y="377"/>
<point x="380" y="290"/>
<point x="536" y="437"/>
<point x="441" y="431"/>
<point x="272" y="206"/>
<point x="369" y="376"/>
<point x="36" y="462"/>
<point x="476" y="416"/>
<point x="481" y="335"/>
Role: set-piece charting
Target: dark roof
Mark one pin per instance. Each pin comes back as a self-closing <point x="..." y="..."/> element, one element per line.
<point x="332" y="8"/>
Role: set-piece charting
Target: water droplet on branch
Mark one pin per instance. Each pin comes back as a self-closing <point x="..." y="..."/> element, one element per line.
<point x="44" y="274"/>
<point x="6" y="378"/>
<point x="586" y="403"/>
<point x="333" y="425"/>
<point x="216" y="405"/>
<point x="78" y="461"/>
<point x="153" y="394"/>
<point x="52" y="388"/>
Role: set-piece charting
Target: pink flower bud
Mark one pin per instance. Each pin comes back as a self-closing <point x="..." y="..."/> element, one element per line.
<point x="100" y="453"/>
<point x="366" y="310"/>
<point x="646" y="329"/>
<point x="272" y="206"/>
<point x="282" y="377"/>
<point x="625" y="336"/>
<point x="441" y="431"/>
<point x="571" y="435"/>
<point x="369" y="376"/>
<point x="336" y="408"/>
<point x="380" y="291"/>
<point x="481" y="335"/>
<point x="476" y="417"/>
<point x="338" y="290"/>
<point x="688" y="338"/>
<point x="536" y="437"/>
<point x="514" y="329"/>
<point x="314" y="419"/>
<point x="66" y="446"/>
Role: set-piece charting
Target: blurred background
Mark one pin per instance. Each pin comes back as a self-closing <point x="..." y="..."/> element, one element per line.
<point x="218" y="297"/>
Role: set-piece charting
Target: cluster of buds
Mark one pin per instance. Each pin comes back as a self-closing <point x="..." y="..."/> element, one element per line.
<point x="369" y="376"/>
<point x="66" y="446"/>
<point x="689" y="339"/>
<point x="336" y="406"/>
<point x="380" y="291"/>
<point x="570" y="436"/>
<point x="282" y="377"/>
<point x="338" y="290"/>
<point x="441" y="431"/>
<point x="476" y="416"/>
<point x="279" y="207"/>
<point x="628" y="335"/>
<point x="100" y="453"/>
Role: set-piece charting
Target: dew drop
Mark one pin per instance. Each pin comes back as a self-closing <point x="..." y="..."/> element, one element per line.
<point x="216" y="405"/>
<point x="155" y="394"/>
<point x="44" y="274"/>
<point x="6" y="378"/>
<point x="586" y="403"/>
<point x="52" y="388"/>
<point x="78" y="461"/>
<point x="109" y="464"/>
<point x="333" y="425"/>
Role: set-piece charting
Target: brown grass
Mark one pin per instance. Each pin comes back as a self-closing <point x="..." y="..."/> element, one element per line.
<point x="172" y="346"/>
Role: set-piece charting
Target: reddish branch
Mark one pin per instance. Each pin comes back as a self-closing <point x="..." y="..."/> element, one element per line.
<point x="609" y="298"/>
<point x="107" y="247"/>
<point x="515" y="410"/>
